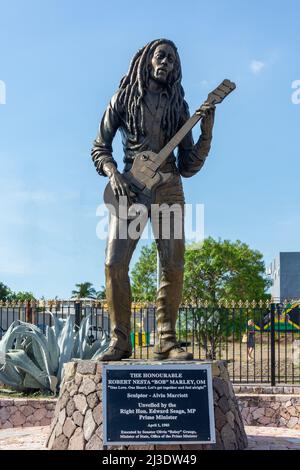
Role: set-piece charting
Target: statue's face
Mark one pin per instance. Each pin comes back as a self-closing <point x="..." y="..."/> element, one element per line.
<point x="162" y="62"/>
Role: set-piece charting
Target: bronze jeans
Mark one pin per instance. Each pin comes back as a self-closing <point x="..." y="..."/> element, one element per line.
<point x="171" y="252"/>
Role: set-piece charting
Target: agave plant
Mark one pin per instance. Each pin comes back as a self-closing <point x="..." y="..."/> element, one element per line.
<point x="30" y="359"/>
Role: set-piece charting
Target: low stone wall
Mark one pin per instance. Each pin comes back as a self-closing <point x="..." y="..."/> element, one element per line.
<point x="260" y="406"/>
<point x="280" y="410"/>
<point x="22" y="413"/>
<point x="77" y="423"/>
<point x="267" y="389"/>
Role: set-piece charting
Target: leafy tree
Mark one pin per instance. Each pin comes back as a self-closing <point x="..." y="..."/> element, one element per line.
<point x="224" y="270"/>
<point x="143" y="275"/>
<point x="219" y="270"/>
<point x="214" y="270"/>
<point x="21" y="296"/>
<point x="84" y="290"/>
<point x="5" y="292"/>
<point x="212" y="327"/>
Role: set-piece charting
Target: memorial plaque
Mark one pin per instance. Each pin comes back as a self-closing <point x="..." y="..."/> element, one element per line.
<point x="158" y="404"/>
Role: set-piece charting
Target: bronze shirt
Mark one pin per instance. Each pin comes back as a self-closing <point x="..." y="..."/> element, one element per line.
<point x="190" y="156"/>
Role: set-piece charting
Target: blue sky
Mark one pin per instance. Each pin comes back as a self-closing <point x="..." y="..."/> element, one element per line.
<point x="61" y="61"/>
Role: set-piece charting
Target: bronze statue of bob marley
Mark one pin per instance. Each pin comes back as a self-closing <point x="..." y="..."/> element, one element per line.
<point x="148" y="109"/>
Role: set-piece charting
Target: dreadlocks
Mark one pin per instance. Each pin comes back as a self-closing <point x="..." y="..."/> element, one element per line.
<point x="134" y="85"/>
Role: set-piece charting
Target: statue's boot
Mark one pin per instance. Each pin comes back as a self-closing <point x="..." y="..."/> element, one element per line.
<point x="119" y="304"/>
<point x="119" y="346"/>
<point x="168" y="302"/>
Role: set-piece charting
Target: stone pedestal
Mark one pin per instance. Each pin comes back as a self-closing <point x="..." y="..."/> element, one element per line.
<point x="77" y="422"/>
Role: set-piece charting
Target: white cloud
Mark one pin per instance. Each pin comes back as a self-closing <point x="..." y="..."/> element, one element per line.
<point x="2" y="92"/>
<point x="256" y="66"/>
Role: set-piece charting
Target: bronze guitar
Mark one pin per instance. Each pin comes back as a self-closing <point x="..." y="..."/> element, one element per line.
<point x="144" y="176"/>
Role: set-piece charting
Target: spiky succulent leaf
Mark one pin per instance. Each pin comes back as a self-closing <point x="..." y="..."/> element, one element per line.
<point x="82" y="337"/>
<point x="20" y="360"/>
<point x="65" y="344"/>
<point x="35" y="360"/>
<point x="53" y="348"/>
<point x="11" y="376"/>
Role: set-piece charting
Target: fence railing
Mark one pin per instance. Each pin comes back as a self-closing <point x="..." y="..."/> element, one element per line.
<point x="260" y="340"/>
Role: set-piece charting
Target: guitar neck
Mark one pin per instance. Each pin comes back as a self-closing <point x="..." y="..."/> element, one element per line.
<point x="176" y="139"/>
<point x="215" y="97"/>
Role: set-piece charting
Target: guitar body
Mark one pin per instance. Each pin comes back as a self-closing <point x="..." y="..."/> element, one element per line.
<point x="143" y="178"/>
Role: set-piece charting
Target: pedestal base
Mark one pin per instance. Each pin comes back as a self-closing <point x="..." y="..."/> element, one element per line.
<point x="77" y="423"/>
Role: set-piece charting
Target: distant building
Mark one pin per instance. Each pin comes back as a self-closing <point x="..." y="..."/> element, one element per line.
<point x="285" y="275"/>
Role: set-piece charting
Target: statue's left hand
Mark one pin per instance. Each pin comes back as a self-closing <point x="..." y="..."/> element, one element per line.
<point x="207" y="122"/>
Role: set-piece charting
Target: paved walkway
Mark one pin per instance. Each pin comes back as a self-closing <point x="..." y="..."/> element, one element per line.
<point x="260" y="438"/>
<point x="24" y="438"/>
<point x="269" y="438"/>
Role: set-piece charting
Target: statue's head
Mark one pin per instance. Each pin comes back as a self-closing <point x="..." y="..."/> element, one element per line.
<point x="163" y="61"/>
<point x="158" y="60"/>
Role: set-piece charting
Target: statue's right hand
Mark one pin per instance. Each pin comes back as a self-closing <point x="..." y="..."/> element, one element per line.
<point x="119" y="185"/>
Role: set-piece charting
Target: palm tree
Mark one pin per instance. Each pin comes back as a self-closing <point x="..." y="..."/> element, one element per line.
<point x="101" y="294"/>
<point x="5" y="292"/>
<point x="84" y="290"/>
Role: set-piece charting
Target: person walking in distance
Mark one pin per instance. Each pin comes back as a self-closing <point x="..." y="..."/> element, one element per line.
<point x="250" y="339"/>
